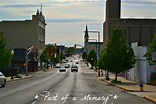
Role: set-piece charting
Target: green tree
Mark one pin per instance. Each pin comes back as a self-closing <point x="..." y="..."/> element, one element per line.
<point x="118" y="56"/>
<point x="44" y="57"/>
<point x="61" y="56"/>
<point x="50" y="49"/>
<point x="150" y="50"/>
<point x="92" y="58"/>
<point x="5" y="54"/>
<point x="84" y="55"/>
<point x="71" y="50"/>
<point x="100" y="62"/>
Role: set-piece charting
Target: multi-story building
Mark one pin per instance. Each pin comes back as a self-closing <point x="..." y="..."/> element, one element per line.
<point x="26" y="33"/>
<point x="139" y="34"/>
<point x="21" y="35"/>
<point x="136" y="30"/>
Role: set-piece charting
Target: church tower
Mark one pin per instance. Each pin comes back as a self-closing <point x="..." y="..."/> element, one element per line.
<point x="113" y="8"/>
<point x="86" y="37"/>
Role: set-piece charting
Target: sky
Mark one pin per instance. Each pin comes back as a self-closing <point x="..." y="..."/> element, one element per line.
<point x="66" y="19"/>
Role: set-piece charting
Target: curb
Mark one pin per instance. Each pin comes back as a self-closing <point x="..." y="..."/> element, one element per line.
<point x="16" y="79"/>
<point x="123" y="88"/>
<point x="25" y="77"/>
<point x="128" y="90"/>
<point x="150" y="99"/>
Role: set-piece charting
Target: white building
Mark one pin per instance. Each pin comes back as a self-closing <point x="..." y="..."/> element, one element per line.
<point x="142" y="70"/>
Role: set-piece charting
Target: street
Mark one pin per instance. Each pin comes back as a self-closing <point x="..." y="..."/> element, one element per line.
<point x="54" y="87"/>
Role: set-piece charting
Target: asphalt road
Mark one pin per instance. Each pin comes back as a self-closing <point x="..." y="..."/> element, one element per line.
<point x="54" y="87"/>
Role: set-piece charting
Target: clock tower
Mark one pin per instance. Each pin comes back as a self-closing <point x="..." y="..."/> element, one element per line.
<point x="86" y="38"/>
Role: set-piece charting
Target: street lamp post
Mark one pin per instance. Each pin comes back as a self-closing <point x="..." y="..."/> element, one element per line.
<point x="12" y="77"/>
<point x="98" y="46"/>
<point x="26" y="58"/>
<point x="26" y="61"/>
<point x="98" y="41"/>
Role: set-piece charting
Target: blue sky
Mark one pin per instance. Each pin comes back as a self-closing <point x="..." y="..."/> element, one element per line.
<point x="66" y="19"/>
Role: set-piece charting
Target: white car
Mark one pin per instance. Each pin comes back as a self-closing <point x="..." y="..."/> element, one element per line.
<point x="62" y="69"/>
<point x="2" y="79"/>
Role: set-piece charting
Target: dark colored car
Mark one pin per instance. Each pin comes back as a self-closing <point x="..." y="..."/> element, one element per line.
<point x="74" y="68"/>
<point x="67" y="65"/>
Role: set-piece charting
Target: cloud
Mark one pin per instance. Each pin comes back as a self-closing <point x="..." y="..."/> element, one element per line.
<point x="21" y="6"/>
<point x="69" y="20"/>
<point x="139" y="1"/>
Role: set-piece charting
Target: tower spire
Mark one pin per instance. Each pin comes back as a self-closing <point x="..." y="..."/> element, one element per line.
<point x="86" y="32"/>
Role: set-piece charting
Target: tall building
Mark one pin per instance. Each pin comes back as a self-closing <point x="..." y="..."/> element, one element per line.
<point x="26" y="33"/>
<point x="136" y="30"/>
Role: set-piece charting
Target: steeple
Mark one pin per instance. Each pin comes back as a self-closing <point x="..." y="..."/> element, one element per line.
<point x="86" y="32"/>
<point x="86" y="38"/>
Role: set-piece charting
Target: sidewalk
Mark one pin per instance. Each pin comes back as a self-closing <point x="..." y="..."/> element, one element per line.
<point x="30" y="75"/>
<point x="149" y="92"/>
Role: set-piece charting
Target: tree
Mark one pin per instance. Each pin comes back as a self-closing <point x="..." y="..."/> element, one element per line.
<point x="50" y="49"/>
<point x="92" y="58"/>
<point x="151" y="49"/>
<point x="5" y="54"/>
<point x="84" y="55"/>
<point x="61" y="56"/>
<point x="70" y="50"/>
<point x="118" y="56"/>
<point x="44" y="57"/>
<point x="100" y="62"/>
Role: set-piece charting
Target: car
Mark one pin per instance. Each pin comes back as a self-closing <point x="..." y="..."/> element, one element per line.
<point x="67" y="65"/>
<point x="57" y="66"/>
<point x="62" y="69"/>
<point x="67" y="60"/>
<point x="74" y="68"/>
<point x="2" y="79"/>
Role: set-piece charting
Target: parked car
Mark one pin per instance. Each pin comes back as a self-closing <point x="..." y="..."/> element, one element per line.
<point x="62" y="69"/>
<point x="2" y="79"/>
<point x="57" y="66"/>
<point x="74" y="68"/>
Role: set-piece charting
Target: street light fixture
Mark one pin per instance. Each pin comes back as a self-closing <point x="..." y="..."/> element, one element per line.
<point x="12" y="53"/>
<point x="98" y="46"/>
<point x="98" y="41"/>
